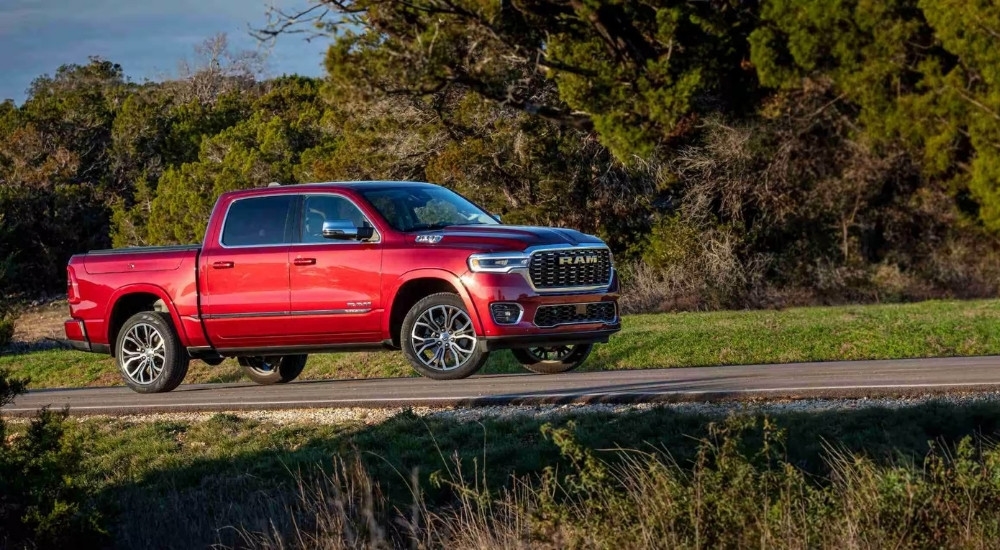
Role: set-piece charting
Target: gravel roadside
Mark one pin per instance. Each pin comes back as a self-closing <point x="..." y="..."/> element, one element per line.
<point x="370" y="416"/>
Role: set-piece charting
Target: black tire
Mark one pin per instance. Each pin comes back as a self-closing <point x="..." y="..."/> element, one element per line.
<point x="149" y="354"/>
<point x="431" y="319"/>
<point x="273" y="369"/>
<point x="553" y="359"/>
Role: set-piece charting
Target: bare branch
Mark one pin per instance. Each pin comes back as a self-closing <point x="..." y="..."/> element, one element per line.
<point x="300" y="22"/>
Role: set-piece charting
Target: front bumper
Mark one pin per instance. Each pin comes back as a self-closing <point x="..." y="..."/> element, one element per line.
<point x="547" y="340"/>
<point x="489" y="288"/>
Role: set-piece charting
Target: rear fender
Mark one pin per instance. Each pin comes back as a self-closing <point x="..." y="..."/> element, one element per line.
<point x="145" y="288"/>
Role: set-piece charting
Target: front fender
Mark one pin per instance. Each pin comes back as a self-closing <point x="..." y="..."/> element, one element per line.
<point x="429" y="273"/>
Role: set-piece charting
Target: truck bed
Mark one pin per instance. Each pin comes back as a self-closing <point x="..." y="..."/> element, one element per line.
<point x="135" y="259"/>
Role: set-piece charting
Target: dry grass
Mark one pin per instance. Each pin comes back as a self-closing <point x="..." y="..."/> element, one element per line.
<point x="654" y="478"/>
<point x="731" y="497"/>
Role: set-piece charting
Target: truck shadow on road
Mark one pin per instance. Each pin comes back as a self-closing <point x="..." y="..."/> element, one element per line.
<point x="188" y="484"/>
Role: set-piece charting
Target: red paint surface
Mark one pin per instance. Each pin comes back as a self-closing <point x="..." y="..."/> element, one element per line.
<point x="283" y="295"/>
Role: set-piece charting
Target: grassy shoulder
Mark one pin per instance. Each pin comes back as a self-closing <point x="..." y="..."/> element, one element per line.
<point x="926" y="329"/>
<point x="872" y="477"/>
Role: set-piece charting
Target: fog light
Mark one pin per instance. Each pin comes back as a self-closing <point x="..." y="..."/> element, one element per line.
<point x="506" y="314"/>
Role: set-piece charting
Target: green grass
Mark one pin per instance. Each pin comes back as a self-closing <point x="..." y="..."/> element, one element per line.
<point x="927" y="329"/>
<point x="193" y="483"/>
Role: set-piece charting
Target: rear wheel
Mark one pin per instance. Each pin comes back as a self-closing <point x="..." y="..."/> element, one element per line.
<point x="553" y="359"/>
<point x="438" y="338"/>
<point x="149" y="354"/>
<point x="273" y="369"/>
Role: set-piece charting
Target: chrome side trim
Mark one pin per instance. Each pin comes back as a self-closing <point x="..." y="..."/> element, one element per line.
<point x="245" y="315"/>
<point x="348" y="311"/>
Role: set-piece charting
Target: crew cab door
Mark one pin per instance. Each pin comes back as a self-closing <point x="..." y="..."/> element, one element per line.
<point x="335" y="284"/>
<point x="245" y="299"/>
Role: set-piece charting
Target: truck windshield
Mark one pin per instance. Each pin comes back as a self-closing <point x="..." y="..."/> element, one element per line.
<point x="421" y="208"/>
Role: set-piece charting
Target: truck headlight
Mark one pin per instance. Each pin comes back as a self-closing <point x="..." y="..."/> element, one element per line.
<point x="498" y="262"/>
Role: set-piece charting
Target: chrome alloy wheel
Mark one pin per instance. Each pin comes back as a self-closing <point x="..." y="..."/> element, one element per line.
<point x="443" y="338"/>
<point x="143" y="353"/>
<point x="555" y="353"/>
<point x="262" y="365"/>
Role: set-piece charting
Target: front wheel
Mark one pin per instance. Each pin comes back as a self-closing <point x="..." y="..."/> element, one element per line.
<point x="554" y="359"/>
<point x="149" y="354"/>
<point x="438" y="338"/>
<point x="273" y="369"/>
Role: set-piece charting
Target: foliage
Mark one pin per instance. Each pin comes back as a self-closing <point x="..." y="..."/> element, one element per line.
<point x="634" y="71"/>
<point x="785" y="135"/>
<point x="908" y="476"/>
<point x="6" y="308"/>
<point x="251" y="153"/>
<point x="6" y="331"/>
<point x="42" y="501"/>
<point x="740" y="154"/>
<point x="922" y="72"/>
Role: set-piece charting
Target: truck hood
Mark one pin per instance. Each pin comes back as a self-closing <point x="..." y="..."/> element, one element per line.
<point x="509" y="237"/>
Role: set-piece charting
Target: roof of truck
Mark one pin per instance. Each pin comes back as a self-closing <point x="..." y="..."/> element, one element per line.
<point x="354" y="185"/>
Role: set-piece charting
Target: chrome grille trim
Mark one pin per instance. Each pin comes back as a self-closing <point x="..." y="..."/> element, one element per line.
<point x="546" y="274"/>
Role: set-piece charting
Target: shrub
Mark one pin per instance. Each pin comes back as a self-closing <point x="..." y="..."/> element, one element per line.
<point x="738" y="491"/>
<point x="42" y="503"/>
<point x="6" y="315"/>
<point x="689" y="267"/>
<point x="6" y="331"/>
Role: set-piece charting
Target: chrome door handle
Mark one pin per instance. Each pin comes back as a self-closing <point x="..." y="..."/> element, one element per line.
<point x="304" y="261"/>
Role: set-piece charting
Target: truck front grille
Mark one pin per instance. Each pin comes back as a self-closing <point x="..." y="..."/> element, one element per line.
<point x="569" y="314"/>
<point x="571" y="268"/>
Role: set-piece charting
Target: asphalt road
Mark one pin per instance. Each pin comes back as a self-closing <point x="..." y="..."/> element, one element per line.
<point x="789" y="381"/>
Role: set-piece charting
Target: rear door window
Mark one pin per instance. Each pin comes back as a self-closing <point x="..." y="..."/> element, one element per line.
<point x="260" y="221"/>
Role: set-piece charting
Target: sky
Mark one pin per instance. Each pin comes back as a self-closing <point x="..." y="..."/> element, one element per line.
<point x="146" y="37"/>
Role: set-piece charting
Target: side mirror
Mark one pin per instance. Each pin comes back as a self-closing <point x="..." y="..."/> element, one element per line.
<point x="496" y="217"/>
<point x="345" y="230"/>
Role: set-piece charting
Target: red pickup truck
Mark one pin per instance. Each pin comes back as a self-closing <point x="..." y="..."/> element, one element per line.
<point x="290" y="270"/>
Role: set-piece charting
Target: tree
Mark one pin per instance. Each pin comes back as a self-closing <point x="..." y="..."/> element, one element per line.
<point x="638" y="72"/>
<point x="254" y="152"/>
<point x="921" y="72"/>
<point x="216" y="71"/>
<point x="68" y="125"/>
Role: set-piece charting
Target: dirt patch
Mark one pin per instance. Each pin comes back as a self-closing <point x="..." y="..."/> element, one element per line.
<point x="41" y="322"/>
